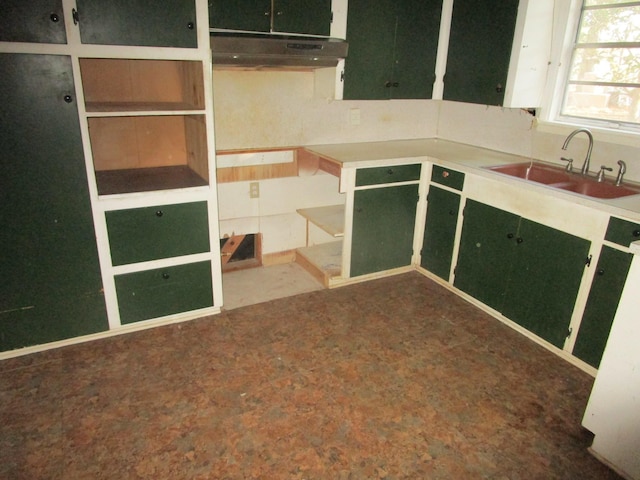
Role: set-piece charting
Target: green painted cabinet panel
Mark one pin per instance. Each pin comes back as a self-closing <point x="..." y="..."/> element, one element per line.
<point x="440" y="231"/>
<point x="392" y="49"/>
<point x="622" y="232"/>
<point x="390" y="174"/>
<point x="155" y="23"/>
<point x="164" y="291"/>
<point x="486" y="247"/>
<point x="250" y="15"/>
<point x="383" y="228"/>
<point x="546" y="271"/>
<point x="35" y="21"/>
<point x="447" y="177"/>
<point x="150" y="233"/>
<point x="312" y="17"/>
<point x="604" y="296"/>
<point x="527" y="271"/>
<point x="480" y="50"/>
<point x="51" y="286"/>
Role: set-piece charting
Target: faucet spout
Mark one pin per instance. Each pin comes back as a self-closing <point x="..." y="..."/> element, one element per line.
<point x="585" y="166"/>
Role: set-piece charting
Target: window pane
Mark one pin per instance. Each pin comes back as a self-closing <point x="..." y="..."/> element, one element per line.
<point x="610" y="25"/>
<point x="618" y="65"/>
<point x="608" y="2"/>
<point x="603" y="103"/>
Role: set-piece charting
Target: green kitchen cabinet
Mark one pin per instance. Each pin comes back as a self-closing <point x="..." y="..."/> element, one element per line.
<point x="439" y="231"/>
<point x="392" y="49"/>
<point x="51" y="286"/>
<point x="383" y="228"/>
<point x="154" y="23"/>
<point x="164" y="291"/>
<point x="527" y="271"/>
<point x="622" y="232"/>
<point x="479" y="53"/>
<point x="33" y="21"/>
<point x="311" y="17"/>
<point x="163" y="231"/>
<point x="602" y="303"/>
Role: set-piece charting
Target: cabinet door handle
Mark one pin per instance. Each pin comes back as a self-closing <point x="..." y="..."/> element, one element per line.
<point x="452" y="212"/>
<point x="159" y="213"/>
<point x="499" y="88"/>
<point x="165" y="275"/>
<point x="509" y="236"/>
<point x="190" y="25"/>
<point x="519" y="240"/>
<point x="600" y="272"/>
<point x="68" y="98"/>
<point x="54" y="18"/>
<point x="636" y="233"/>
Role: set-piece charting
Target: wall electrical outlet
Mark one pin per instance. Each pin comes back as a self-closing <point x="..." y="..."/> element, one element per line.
<point x="354" y="116"/>
<point x="254" y="190"/>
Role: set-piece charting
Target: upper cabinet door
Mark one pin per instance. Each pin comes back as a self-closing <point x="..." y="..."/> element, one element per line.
<point x="312" y="17"/>
<point x="250" y="15"/>
<point x="34" y="21"/>
<point x="157" y="23"/>
<point x="480" y="50"/>
<point x="392" y="49"/>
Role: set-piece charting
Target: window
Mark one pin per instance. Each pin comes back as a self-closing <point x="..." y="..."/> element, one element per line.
<point x="603" y="82"/>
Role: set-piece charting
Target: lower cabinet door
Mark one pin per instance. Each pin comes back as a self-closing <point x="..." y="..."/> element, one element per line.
<point x="164" y="291"/>
<point x="606" y="288"/>
<point x="383" y="226"/>
<point x="439" y="231"/>
<point x="486" y="246"/>
<point x="545" y="277"/>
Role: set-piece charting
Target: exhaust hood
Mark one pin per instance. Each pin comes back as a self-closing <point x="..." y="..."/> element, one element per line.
<point x="275" y="51"/>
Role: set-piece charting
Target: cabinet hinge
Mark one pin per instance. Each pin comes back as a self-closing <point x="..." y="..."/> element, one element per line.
<point x="331" y="17"/>
<point x="342" y="76"/>
<point x="569" y="332"/>
<point x="75" y="15"/>
<point x="588" y="261"/>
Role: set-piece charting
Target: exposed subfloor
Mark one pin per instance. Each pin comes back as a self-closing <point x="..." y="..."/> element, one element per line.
<point x="392" y="378"/>
<point x="257" y="285"/>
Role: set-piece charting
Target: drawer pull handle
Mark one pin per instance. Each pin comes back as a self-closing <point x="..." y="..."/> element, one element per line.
<point x="165" y="275"/>
<point x="159" y="213"/>
<point x="636" y="233"/>
<point x="600" y="272"/>
<point x="509" y="236"/>
<point x="519" y="240"/>
<point x="190" y="25"/>
<point x="445" y="174"/>
<point x="390" y="171"/>
<point x="54" y="18"/>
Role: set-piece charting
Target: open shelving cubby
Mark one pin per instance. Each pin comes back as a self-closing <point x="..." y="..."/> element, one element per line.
<point x="146" y="124"/>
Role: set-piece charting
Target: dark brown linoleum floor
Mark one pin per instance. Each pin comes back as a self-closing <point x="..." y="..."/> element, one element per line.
<point x="388" y="379"/>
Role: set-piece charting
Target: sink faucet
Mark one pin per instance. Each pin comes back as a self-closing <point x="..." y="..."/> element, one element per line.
<point x="587" y="159"/>
<point x="621" y="171"/>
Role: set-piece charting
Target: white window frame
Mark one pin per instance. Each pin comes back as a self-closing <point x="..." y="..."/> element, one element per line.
<point x="566" y="24"/>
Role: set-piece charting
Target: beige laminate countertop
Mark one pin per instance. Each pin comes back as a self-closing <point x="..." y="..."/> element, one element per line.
<point x="462" y="157"/>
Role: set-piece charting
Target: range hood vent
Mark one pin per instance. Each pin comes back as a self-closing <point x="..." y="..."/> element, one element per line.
<point x="276" y="51"/>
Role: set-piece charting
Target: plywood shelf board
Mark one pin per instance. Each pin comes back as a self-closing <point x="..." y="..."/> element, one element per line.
<point x="111" y="182"/>
<point x="324" y="261"/>
<point x="149" y="107"/>
<point x="329" y="218"/>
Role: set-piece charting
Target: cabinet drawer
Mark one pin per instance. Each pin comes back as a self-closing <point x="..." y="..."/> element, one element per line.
<point x="164" y="291"/>
<point x="447" y="177"/>
<point x="390" y="174"/>
<point x="622" y="232"/>
<point x="150" y="233"/>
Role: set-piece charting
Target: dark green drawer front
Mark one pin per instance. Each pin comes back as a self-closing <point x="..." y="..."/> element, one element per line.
<point x="622" y="232"/>
<point x="447" y="177"/>
<point x="392" y="174"/>
<point x="150" y="233"/>
<point x="164" y="291"/>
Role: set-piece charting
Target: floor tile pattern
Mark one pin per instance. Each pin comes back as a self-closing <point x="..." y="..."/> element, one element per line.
<point x="394" y="378"/>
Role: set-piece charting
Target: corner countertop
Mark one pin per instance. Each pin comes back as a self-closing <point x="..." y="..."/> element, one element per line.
<point x="465" y="158"/>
